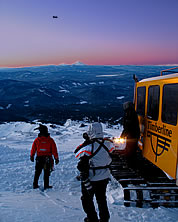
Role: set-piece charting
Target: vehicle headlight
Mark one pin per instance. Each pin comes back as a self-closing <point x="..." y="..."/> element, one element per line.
<point x="119" y="142"/>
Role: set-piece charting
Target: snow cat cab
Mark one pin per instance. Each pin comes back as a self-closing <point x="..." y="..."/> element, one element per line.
<point x="156" y="103"/>
<point x="153" y="181"/>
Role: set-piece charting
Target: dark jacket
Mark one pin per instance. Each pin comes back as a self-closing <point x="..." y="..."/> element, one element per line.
<point x="130" y="124"/>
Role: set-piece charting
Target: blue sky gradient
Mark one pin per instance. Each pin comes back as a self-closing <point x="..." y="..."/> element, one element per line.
<point x="98" y="32"/>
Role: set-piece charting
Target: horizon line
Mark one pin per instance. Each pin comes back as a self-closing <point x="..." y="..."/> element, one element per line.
<point x="83" y="64"/>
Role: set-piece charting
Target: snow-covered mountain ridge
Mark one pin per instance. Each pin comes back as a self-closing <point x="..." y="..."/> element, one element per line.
<point x="78" y="63"/>
<point x="57" y="93"/>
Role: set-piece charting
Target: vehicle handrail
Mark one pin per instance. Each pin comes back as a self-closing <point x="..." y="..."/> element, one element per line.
<point x="169" y="70"/>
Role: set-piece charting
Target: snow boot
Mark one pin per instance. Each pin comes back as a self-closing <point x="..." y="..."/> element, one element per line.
<point x="35" y="186"/>
<point x="104" y="220"/>
<point x="86" y="219"/>
<point x="48" y="187"/>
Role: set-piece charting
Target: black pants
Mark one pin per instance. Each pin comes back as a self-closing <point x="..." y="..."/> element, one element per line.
<point x="99" y="190"/>
<point x="42" y="163"/>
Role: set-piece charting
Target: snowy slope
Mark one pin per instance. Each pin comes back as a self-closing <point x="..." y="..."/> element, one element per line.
<point x="20" y="203"/>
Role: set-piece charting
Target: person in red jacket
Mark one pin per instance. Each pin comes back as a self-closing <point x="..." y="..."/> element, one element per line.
<point x="44" y="147"/>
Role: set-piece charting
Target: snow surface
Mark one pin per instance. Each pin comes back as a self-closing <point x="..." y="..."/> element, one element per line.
<point x="20" y="203"/>
<point x="78" y="63"/>
<point x="8" y="106"/>
<point x="43" y="91"/>
<point x="83" y="102"/>
<point x="64" y="90"/>
<point x="120" y="97"/>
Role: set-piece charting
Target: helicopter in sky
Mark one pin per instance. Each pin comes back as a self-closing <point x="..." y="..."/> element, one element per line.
<point x="55" y="16"/>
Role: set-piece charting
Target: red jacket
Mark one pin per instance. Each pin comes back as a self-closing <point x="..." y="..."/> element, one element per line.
<point x="44" y="146"/>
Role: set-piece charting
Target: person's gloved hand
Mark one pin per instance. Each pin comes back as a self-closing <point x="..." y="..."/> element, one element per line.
<point x="78" y="177"/>
<point x="32" y="158"/>
<point x="56" y="161"/>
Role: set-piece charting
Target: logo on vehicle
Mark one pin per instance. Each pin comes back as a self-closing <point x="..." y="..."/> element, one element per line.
<point x="159" y="144"/>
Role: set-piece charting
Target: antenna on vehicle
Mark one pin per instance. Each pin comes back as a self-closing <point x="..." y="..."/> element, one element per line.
<point x="135" y="78"/>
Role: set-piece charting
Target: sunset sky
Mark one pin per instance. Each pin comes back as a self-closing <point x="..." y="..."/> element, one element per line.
<point x="95" y="32"/>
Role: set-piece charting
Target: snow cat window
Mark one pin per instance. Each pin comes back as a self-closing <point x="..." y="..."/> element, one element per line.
<point x="170" y="104"/>
<point x="153" y="102"/>
<point x="141" y="92"/>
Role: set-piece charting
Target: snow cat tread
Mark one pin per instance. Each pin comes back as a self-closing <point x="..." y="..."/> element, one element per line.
<point x="144" y="184"/>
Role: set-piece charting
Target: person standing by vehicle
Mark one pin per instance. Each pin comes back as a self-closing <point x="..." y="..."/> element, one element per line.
<point x="45" y="148"/>
<point x="94" y="161"/>
<point x="131" y="132"/>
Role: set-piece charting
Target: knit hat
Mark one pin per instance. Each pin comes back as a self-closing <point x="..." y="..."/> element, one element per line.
<point x="42" y="128"/>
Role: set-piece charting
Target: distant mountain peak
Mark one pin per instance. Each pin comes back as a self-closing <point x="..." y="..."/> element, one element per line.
<point x="78" y="63"/>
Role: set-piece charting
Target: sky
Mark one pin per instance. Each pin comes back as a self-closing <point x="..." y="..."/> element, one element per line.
<point x="95" y="32"/>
